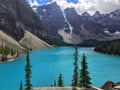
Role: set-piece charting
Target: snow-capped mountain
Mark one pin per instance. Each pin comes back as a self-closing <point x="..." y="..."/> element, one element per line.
<point x="110" y="21"/>
<point x="52" y="17"/>
<point x="18" y="17"/>
<point x="84" y="27"/>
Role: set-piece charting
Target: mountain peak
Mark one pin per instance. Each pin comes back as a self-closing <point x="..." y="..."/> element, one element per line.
<point x="50" y="5"/>
<point x="53" y="3"/>
<point x="85" y="14"/>
<point x="97" y="13"/>
<point x="116" y="12"/>
<point x="70" y="9"/>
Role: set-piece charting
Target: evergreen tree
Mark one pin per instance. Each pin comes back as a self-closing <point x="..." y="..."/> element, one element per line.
<point x="60" y="81"/>
<point x="12" y="52"/>
<point x="28" y="73"/>
<point x="21" y="86"/>
<point x="75" y="70"/>
<point x="84" y="74"/>
<point x="109" y="47"/>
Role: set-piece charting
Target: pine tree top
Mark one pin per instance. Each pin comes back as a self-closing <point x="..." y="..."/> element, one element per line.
<point x="85" y="80"/>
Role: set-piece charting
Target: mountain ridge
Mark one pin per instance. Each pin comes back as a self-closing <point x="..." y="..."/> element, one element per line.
<point x="96" y="24"/>
<point x="17" y="17"/>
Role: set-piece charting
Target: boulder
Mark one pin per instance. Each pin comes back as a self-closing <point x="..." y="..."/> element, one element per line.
<point x="108" y="85"/>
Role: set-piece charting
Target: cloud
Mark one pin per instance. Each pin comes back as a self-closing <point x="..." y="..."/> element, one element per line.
<point x="91" y="6"/>
<point x="34" y="2"/>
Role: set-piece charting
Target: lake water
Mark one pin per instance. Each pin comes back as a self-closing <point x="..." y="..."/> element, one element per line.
<point x="48" y="64"/>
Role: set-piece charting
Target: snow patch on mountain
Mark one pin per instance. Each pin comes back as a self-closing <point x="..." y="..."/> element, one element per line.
<point x="66" y="20"/>
<point x="111" y="15"/>
<point x="44" y="10"/>
<point x="115" y="35"/>
<point x="73" y="34"/>
<point x="117" y="32"/>
<point x="41" y="17"/>
<point x="107" y="32"/>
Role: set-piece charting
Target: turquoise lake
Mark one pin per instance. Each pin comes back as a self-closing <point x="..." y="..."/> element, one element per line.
<point x="48" y="64"/>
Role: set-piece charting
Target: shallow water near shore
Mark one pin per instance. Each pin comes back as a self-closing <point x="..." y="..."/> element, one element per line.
<point x="48" y="64"/>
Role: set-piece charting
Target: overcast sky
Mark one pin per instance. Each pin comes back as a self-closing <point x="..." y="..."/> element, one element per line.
<point x="91" y="6"/>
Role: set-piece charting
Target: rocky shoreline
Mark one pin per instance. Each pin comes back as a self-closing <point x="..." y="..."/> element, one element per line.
<point x="109" y="85"/>
<point x="65" y="88"/>
<point x="11" y="59"/>
<point x="29" y="41"/>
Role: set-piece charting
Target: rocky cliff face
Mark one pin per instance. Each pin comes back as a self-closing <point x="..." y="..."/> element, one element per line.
<point x="74" y="19"/>
<point x="17" y="16"/>
<point x="110" y="21"/>
<point x="100" y="27"/>
<point x="8" y="20"/>
<point x="52" y="17"/>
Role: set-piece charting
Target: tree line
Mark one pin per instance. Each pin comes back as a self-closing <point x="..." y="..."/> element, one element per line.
<point x="80" y="77"/>
<point x="5" y="51"/>
<point x="109" y="47"/>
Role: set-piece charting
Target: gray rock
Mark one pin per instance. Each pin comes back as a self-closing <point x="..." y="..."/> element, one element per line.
<point x="108" y="85"/>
